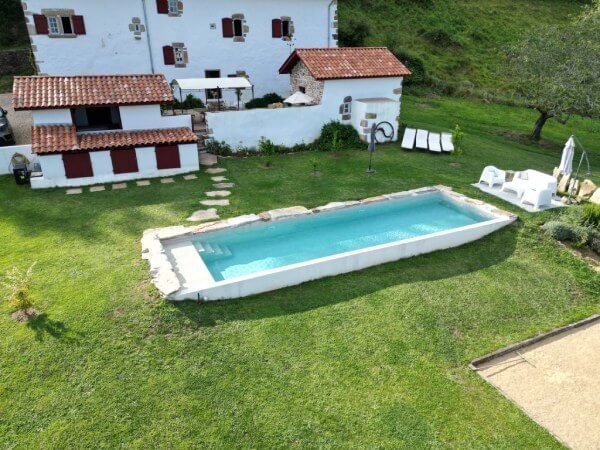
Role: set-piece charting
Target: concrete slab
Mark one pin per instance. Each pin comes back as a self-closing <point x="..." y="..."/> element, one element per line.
<point x="555" y="381"/>
<point x="224" y="185"/>
<point x="218" y="179"/>
<point x="216" y="170"/>
<point x="74" y="191"/>
<point x="167" y="180"/>
<point x="143" y="183"/>
<point x="191" y="176"/>
<point x="117" y="186"/>
<point x="223" y="202"/>
<point x="97" y="189"/>
<point x="218" y="193"/>
<point x="207" y="159"/>
<point x="204" y="215"/>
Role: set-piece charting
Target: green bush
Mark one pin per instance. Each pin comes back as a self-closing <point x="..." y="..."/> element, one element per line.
<point x="567" y="232"/>
<point x="590" y="215"/>
<point x="415" y="65"/>
<point x="353" y="32"/>
<point x="264" y="101"/>
<point x="337" y="136"/>
<point x="594" y="241"/>
<point x="16" y="284"/>
<point x="190" y="102"/>
<point x="218" y="147"/>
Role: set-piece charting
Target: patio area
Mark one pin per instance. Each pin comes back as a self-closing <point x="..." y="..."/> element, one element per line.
<point x="514" y="199"/>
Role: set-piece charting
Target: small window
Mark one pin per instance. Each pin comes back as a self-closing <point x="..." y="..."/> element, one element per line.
<point x="173" y="6"/>
<point x="66" y="25"/>
<point x="302" y="89"/>
<point x="347" y="108"/>
<point x="53" y="27"/>
<point x="238" y="28"/>
<point x="286" y="28"/>
<point x="179" y="55"/>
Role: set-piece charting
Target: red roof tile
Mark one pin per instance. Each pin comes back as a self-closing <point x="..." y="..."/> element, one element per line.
<point x="45" y="92"/>
<point x="63" y="138"/>
<point x="350" y="62"/>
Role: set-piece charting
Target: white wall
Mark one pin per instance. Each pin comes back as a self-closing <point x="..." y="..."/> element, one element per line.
<point x="109" y="46"/>
<point x="52" y="117"/>
<point x="148" y="117"/>
<point x="54" y="172"/>
<point x="6" y="154"/>
<point x="290" y="126"/>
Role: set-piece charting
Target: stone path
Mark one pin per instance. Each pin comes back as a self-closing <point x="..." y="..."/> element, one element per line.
<point x="220" y="182"/>
<point x="218" y="193"/>
<point x="207" y="159"/>
<point x="203" y="215"/>
<point x="216" y="170"/>
<point x="143" y="183"/>
<point x="224" y="185"/>
<point x="167" y="180"/>
<point x="74" y="191"/>
<point x="119" y="186"/>
<point x="97" y="189"/>
<point x="223" y="202"/>
<point x="219" y="179"/>
<point x="191" y="176"/>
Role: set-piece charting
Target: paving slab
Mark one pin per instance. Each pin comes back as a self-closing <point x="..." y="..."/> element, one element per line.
<point x="223" y="202"/>
<point x="74" y="191"/>
<point x="216" y="170"/>
<point x="203" y="215"/>
<point x="224" y="185"/>
<point x="218" y="179"/>
<point x="143" y="183"/>
<point x="97" y="189"/>
<point x="191" y="176"/>
<point x="208" y="159"/>
<point x="167" y="180"/>
<point x="218" y="193"/>
<point x="119" y="186"/>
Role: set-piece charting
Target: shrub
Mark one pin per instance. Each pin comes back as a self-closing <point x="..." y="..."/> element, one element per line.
<point x="594" y="241"/>
<point x="218" y="147"/>
<point x="590" y="215"/>
<point x="457" y="140"/>
<point x="314" y="162"/>
<point x="190" y="102"/>
<point x="354" y="32"/>
<point x="415" y="65"/>
<point x="264" y="101"/>
<point x="337" y="136"/>
<point x="567" y="232"/>
<point x="268" y="149"/>
<point x="17" y="283"/>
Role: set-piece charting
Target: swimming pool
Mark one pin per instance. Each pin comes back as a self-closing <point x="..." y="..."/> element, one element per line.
<point x="258" y="253"/>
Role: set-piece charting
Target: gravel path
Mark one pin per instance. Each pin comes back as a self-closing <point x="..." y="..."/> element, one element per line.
<point x="20" y="121"/>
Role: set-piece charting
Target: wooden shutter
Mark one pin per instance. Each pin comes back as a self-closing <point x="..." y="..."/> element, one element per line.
<point x="162" y="6"/>
<point x="227" y="27"/>
<point x="78" y="24"/>
<point x="124" y="161"/>
<point x="41" y="24"/>
<point x="78" y="165"/>
<point x="277" y="28"/>
<point x="167" y="157"/>
<point x="168" y="55"/>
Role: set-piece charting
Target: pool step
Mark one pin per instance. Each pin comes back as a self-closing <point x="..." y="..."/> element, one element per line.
<point x="213" y="250"/>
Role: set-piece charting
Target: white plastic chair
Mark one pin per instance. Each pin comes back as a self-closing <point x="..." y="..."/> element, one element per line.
<point x="408" y="142"/>
<point x="447" y="144"/>
<point x="422" y="139"/>
<point x="537" y="198"/>
<point x="434" y="143"/>
<point x="492" y="175"/>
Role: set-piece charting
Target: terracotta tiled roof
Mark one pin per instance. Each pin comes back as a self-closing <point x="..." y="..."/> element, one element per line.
<point x="351" y="62"/>
<point x="43" y="92"/>
<point x="63" y="138"/>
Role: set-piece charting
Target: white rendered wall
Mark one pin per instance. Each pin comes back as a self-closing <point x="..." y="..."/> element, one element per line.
<point x="110" y="47"/>
<point x="6" y="154"/>
<point x="54" y="172"/>
<point x="52" y="117"/>
<point x="291" y="126"/>
<point x="148" y="117"/>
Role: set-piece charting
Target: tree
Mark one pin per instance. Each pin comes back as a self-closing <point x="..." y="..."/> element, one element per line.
<point x="557" y="70"/>
<point x="354" y="32"/>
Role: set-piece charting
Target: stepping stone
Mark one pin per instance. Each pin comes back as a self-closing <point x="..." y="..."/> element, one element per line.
<point x="204" y="214"/>
<point x="119" y="186"/>
<point x="167" y="180"/>
<point x="191" y="176"/>
<point x="216" y="170"/>
<point x="218" y="194"/>
<point x="223" y="202"/>
<point x="74" y="191"/>
<point x="219" y="179"/>
<point x="224" y="185"/>
<point x="143" y="183"/>
<point x="97" y="189"/>
<point x="207" y="159"/>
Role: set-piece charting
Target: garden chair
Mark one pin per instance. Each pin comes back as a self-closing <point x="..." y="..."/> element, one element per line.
<point x="492" y="175"/>
<point x="434" y="143"/>
<point x="447" y="144"/>
<point x="422" y="139"/>
<point x="408" y="141"/>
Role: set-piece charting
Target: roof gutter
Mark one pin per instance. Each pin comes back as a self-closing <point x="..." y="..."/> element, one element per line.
<point x="148" y="36"/>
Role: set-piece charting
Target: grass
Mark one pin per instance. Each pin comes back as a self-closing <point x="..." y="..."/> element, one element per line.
<point x="458" y="40"/>
<point x="376" y="358"/>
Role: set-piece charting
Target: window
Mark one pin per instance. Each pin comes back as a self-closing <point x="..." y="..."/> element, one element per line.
<point x="347" y="108"/>
<point x="59" y="23"/>
<point x="285" y="28"/>
<point x="238" y="28"/>
<point x="66" y="25"/>
<point x="302" y="89"/>
<point x="97" y="119"/>
<point x="53" y="27"/>
<point x="282" y="27"/>
<point x="173" y="6"/>
<point x="179" y="55"/>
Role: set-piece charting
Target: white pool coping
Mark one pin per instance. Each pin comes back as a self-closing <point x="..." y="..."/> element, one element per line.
<point x="179" y="272"/>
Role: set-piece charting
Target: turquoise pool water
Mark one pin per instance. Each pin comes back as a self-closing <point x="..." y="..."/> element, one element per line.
<point x="242" y="251"/>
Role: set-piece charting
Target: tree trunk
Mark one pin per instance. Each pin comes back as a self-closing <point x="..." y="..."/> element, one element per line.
<point x="536" y="135"/>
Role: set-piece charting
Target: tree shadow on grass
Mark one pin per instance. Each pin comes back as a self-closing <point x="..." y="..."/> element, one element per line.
<point x="43" y="326"/>
<point x="479" y="255"/>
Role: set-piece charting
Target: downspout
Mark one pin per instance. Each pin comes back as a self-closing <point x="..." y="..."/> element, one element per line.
<point x="148" y="36"/>
<point x="329" y="23"/>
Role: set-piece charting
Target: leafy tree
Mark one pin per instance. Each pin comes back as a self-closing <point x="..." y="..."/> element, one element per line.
<point x="558" y="69"/>
<point x="354" y="32"/>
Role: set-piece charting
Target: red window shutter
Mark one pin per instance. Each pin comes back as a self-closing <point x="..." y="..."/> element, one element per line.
<point x="168" y="55"/>
<point x="162" y="6"/>
<point x="277" y="28"/>
<point x="78" y="24"/>
<point x="167" y="157"/>
<point x="78" y="165"/>
<point x="227" y="27"/>
<point x="124" y="161"/>
<point x="41" y="24"/>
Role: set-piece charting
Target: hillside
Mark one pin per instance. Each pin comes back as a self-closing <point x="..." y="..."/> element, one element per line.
<point x="460" y="42"/>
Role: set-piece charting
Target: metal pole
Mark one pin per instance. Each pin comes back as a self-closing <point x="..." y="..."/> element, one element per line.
<point x="584" y="155"/>
<point x="148" y="36"/>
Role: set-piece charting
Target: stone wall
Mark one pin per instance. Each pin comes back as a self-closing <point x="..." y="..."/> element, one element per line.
<point x="301" y="77"/>
<point x="15" y="62"/>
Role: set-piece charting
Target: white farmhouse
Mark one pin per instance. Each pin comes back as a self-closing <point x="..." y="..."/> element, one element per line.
<point x="356" y="86"/>
<point x="178" y="38"/>
<point x="100" y="129"/>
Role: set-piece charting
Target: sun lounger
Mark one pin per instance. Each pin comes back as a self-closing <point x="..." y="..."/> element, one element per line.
<point x="408" y="142"/>
<point x="447" y="144"/>
<point x="422" y="139"/>
<point x="434" y="143"/>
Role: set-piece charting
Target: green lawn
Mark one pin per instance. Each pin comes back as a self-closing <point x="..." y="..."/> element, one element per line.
<point x="376" y="358"/>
